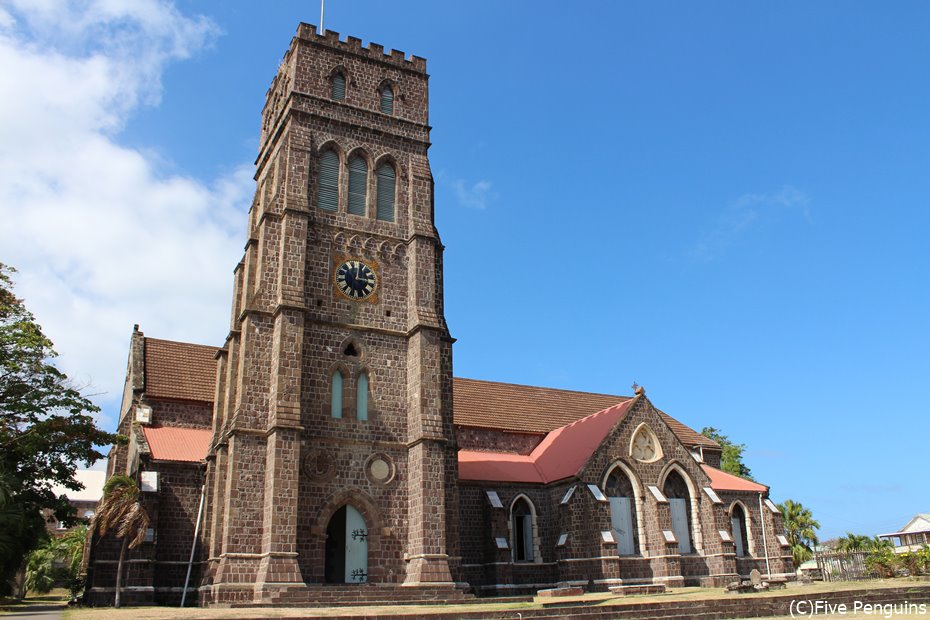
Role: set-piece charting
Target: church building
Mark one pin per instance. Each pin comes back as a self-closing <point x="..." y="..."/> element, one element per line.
<point x="326" y="454"/>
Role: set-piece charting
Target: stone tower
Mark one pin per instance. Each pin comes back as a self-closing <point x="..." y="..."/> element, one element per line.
<point x="333" y="456"/>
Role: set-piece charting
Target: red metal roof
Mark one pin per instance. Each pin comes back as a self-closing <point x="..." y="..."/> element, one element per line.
<point x="169" y="443"/>
<point x="722" y="481"/>
<point x="560" y="455"/>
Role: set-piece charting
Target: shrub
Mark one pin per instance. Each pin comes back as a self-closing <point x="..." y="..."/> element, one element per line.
<point x="882" y="562"/>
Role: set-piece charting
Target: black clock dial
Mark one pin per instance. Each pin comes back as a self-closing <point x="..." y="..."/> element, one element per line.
<point x="355" y="279"/>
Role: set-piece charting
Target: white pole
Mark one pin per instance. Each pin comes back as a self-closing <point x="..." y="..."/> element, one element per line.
<point x="322" y="30"/>
<point x="765" y="544"/>
<point x="190" y="562"/>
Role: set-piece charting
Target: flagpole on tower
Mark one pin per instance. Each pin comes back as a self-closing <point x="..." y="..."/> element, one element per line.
<point x="322" y="30"/>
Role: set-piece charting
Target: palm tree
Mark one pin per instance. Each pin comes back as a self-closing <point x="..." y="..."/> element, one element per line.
<point x="799" y="528"/>
<point x="121" y="511"/>
<point x="853" y="542"/>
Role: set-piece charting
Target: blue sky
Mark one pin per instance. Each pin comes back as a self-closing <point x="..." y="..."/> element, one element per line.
<point x="726" y="202"/>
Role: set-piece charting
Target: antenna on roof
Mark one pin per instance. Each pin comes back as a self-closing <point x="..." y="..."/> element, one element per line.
<point x="322" y="29"/>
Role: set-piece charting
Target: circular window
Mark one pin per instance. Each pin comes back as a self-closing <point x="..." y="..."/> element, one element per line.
<point x="379" y="468"/>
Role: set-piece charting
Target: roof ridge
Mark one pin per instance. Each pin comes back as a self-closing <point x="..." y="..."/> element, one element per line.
<point x="540" y="387"/>
<point x="189" y="344"/>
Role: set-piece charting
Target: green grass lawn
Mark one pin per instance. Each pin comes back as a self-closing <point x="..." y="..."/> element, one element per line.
<point x="599" y="599"/>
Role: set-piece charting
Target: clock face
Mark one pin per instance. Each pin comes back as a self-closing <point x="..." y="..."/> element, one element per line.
<point x="356" y="280"/>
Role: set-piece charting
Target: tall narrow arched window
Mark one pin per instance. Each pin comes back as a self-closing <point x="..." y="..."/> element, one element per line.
<point x="339" y="87"/>
<point x="622" y="498"/>
<point x="358" y="185"/>
<point x="335" y="400"/>
<point x="328" y="183"/>
<point x="740" y="531"/>
<point x="387" y="99"/>
<point x="521" y="523"/>
<point x="386" y="185"/>
<point x="679" y="503"/>
<point x="361" y="397"/>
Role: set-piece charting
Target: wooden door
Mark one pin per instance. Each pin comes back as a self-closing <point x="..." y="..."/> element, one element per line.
<point x="679" y="510"/>
<point x="621" y="520"/>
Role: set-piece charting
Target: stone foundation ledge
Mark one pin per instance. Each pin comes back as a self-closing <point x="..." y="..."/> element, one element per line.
<point x="737" y="607"/>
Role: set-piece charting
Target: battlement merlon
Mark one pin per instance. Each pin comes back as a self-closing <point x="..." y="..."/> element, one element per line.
<point x="372" y="51"/>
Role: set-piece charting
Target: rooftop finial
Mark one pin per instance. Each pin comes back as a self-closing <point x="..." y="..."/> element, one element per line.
<point x="638" y="389"/>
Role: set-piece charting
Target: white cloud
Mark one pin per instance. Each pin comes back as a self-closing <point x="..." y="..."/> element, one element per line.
<point x="100" y="237"/>
<point x="476" y="195"/>
<point x="746" y="212"/>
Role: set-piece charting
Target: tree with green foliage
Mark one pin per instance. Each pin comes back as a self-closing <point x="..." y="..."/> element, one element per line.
<point x="860" y="542"/>
<point x="853" y="542"/>
<point x="56" y="561"/>
<point x="732" y="459"/>
<point x="47" y="429"/>
<point x="121" y="511"/>
<point x="800" y="527"/>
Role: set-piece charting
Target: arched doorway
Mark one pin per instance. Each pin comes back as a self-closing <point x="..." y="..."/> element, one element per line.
<point x="738" y="524"/>
<point x="679" y="503"/>
<point x="347" y="547"/>
<point x="620" y="493"/>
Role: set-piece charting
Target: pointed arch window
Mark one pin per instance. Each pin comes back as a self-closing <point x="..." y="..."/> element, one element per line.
<point x="339" y="87"/>
<point x="523" y="531"/>
<point x="328" y="183"/>
<point x="358" y="185"/>
<point x="740" y="531"/>
<point x="361" y="397"/>
<point x="679" y="503"/>
<point x="387" y="181"/>
<point x="623" y="518"/>
<point x="387" y="99"/>
<point x="335" y="401"/>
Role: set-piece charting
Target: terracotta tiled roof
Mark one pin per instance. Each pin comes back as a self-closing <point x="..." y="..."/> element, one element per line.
<point x="179" y="370"/>
<point x="522" y="408"/>
<point x="168" y="443"/>
<point x="687" y="435"/>
<point x="560" y="455"/>
<point x="722" y="481"/>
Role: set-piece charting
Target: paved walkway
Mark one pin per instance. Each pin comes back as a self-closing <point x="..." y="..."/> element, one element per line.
<point x="36" y="612"/>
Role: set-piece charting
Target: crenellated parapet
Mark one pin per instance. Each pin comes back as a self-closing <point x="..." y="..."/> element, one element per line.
<point x="353" y="45"/>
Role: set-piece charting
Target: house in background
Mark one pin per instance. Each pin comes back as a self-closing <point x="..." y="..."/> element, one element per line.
<point x="912" y="536"/>
<point x="84" y="501"/>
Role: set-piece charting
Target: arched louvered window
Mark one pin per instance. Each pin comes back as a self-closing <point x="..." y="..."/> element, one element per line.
<point x="387" y="99"/>
<point x="361" y="397"/>
<point x="386" y="185"/>
<point x="339" y="87"/>
<point x="358" y="185"/>
<point x="328" y="183"/>
<point x="336" y="397"/>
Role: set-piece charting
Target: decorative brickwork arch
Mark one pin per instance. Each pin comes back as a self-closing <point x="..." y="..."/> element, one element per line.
<point x="742" y="527"/>
<point x="614" y="488"/>
<point x="524" y="530"/>
<point x="693" y="505"/>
